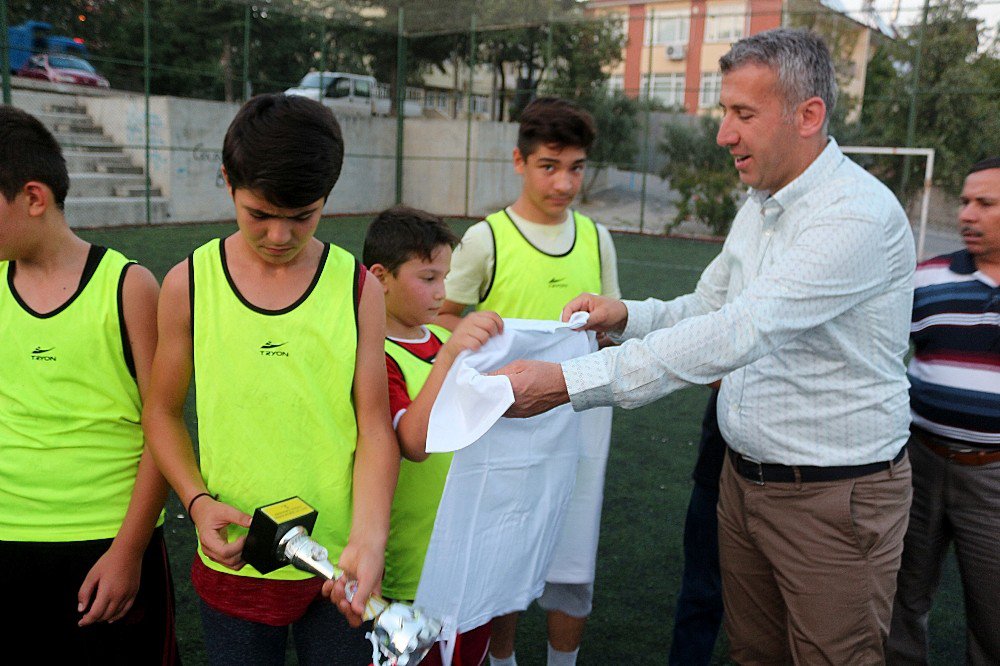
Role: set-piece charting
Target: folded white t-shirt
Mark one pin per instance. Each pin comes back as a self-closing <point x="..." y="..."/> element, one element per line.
<point x="506" y="495"/>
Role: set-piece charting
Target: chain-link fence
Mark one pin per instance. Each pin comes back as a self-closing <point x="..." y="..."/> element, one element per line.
<point x="140" y="93"/>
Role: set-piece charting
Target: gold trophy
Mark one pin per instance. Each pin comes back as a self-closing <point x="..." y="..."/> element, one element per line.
<point x="401" y="634"/>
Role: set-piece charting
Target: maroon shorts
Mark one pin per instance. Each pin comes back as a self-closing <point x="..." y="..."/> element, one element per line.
<point x="471" y="648"/>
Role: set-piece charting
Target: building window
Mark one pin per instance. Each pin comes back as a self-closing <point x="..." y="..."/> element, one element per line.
<point x="667" y="29"/>
<point x="725" y="23"/>
<point x="668" y="89"/>
<point x="439" y="100"/>
<point x="480" y="104"/>
<point x="711" y="87"/>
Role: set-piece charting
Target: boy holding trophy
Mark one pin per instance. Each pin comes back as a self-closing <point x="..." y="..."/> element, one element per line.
<point x="283" y="334"/>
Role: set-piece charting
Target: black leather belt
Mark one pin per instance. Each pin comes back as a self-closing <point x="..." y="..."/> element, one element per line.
<point x="774" y="473"/>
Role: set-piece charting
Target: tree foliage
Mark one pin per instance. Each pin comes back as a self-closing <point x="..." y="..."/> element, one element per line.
<point x="701" y="173"/>
<point x="957" y="110"/>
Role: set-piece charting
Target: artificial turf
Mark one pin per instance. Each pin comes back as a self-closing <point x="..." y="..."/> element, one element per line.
<point x="648" y="480"/>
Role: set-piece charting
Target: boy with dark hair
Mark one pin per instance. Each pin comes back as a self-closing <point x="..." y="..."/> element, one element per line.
<point x="525" y="262"/>
<point x="81" y="536"/>
<point x="409" y="251"/>
<point x="286" y="335"/>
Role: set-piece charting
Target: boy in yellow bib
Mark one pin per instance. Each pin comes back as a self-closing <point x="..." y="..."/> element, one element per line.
<point x="284" y="336"/>
<point x="527" y="261"/>
<point x="82" y="557"/>
<point x="409" y="251"/>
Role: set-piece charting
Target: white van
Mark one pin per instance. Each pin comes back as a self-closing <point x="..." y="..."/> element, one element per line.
<point x="357" y="94"/>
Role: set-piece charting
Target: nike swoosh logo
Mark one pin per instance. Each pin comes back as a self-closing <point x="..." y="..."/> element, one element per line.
<point x="554" y="280"/>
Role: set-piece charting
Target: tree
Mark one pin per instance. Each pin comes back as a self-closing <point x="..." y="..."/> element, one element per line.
<point x="582" y="53"/>
<point x="616" y="117"/>
<point x="701" y="173"/>
<point x="956" y="96"/>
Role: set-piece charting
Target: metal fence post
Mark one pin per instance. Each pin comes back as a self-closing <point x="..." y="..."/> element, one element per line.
<point x="246" y="52"/>
<point x="649" y="115"/>
<point x="546" y="72"/>
<point x="4" y="52"/>
<point x="468" y="122"/>
<point x="911" y="119"/>
<point x="400" y="103"/>
<point x="147" y="87"/>
<point x="322" y="63"/>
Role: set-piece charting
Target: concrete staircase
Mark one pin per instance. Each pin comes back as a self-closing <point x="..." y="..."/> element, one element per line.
<point x="106" y="187"/>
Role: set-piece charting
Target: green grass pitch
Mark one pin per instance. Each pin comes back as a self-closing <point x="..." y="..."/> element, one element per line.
<point x="648" y="481"/>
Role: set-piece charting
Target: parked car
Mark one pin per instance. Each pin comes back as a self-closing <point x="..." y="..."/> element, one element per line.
<point x="354" y="93"/>
<point x="60" y="68"/>
<point x="31" y="37"/>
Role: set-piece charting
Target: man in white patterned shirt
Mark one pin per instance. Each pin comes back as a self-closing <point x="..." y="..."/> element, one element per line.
<point x="804" y="314"/>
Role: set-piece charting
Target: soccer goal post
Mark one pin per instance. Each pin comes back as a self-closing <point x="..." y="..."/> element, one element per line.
<point x="928" y="154"/>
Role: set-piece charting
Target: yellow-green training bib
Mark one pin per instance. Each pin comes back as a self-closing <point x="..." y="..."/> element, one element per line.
<point x="531" y="284"/>
<point x="70" y="437"/>
<point x="273" y="389"/>
<point x="418" y="492"/>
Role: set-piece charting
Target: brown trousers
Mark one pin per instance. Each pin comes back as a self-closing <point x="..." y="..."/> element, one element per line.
<point x="809" y="569"/>
<point x="951" y="503"/>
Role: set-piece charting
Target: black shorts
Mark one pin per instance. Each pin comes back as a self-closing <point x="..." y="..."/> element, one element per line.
<point x="40" y="582"/>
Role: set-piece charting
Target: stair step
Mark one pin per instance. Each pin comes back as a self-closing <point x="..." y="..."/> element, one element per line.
<point x="86" y="162"/>
<point x="136" y="191"/>
<point x="59" y="107"/>
<point x="83" y="126"/>
<point x="118" y="168"/>
<point x="93" y="184"/>
<point x="84" y="140"/>
<point x="89" y="212"/>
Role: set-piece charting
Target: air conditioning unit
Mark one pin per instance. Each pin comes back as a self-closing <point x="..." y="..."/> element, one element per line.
<point x="676" y="51"/>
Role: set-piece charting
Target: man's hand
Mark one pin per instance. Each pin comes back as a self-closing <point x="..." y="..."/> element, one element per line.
<point x="538" y="387"/>
<point x="213" y="518"/>
<point x="607" y="315"/>
<point x="360" y="564"/>
<point x="110" y="587"/>
<point x="472" y="333"/>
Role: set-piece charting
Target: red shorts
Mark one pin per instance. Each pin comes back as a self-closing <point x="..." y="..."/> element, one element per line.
<point x="471" y="648"/>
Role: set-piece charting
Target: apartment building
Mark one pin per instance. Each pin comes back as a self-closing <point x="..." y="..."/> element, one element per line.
<point x="673" y="46"/>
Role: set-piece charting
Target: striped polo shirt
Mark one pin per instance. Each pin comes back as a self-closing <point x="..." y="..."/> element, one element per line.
<point x="955" y="370"/>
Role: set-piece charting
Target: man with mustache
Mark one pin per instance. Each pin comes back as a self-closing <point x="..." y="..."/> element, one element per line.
<point x="955" y="435"/>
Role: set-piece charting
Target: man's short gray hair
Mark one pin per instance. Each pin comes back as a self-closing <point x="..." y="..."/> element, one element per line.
<point x="800" y="58"/>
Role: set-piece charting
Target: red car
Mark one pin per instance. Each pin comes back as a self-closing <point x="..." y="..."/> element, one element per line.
<point x="61" y="68"/>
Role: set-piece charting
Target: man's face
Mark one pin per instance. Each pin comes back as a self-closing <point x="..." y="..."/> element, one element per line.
<point x="979" y="217"/>
<point x="276" y="234"/>
<point x="755" y="129"/>
<point x="415" y="293"/>
<point x="552" y="177"/>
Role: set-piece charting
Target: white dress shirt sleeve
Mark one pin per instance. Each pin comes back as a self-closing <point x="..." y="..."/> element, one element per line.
<point x="833" y="264"/>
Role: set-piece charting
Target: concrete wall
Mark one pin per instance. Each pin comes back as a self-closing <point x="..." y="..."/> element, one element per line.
<point x="434" y="167"/>
<point x="186" y="139"/>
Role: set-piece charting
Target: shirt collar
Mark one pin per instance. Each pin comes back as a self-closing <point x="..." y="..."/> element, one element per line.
<point x="963" y="263"/>
<point x="817" y="172"/>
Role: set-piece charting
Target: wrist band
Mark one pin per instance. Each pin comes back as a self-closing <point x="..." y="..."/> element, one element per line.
<point x="195" y="498"/>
